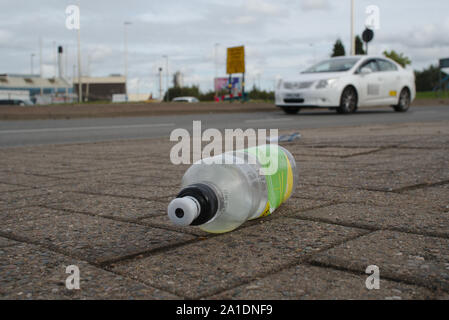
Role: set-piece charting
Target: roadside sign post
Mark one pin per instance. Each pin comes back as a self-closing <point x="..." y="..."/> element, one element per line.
<point x="368" y="36"/>
<point x="444" y="63"/>
<point x="236" y="64"/>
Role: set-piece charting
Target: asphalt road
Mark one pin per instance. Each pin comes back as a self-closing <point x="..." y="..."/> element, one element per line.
<point x="40" y="132"/>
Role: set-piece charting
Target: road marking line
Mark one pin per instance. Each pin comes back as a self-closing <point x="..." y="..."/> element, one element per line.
<point x="88" y="128"/>
<point x="268" y="120"/>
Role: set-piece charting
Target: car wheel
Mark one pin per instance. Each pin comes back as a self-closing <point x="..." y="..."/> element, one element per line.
<point x="404" y="101"/>
<point x="290" y="110"/>
<point x="348" y="101"/>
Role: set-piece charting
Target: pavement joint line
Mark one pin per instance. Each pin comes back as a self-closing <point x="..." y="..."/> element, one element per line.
<point x="278" y="269"/>
<point x="119" y="219"/>
<point x="18" y="185"/>
<point x="90" y="214"/>
<point x="136" y="279"/>
<point x="404" y="280"/>
<point x="168" y="228"/>
<point x="365" y="153"/>
<point x="421" y="186"/>
<point x="49" y="247"/>
<point x="147" y="253"/>
<point x="157" y="199"/>
<point x="368" y="227"/>
<point x="71" y="256"/>
<point x="346" y="187"/>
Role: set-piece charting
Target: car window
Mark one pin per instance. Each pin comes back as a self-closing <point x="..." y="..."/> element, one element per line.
<point x="370" y="64"/>
<point x="333" y="65"/>
<point x="385" y="65"/>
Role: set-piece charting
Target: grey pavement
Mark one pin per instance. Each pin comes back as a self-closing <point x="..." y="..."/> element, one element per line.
<point x="370" y="194"/>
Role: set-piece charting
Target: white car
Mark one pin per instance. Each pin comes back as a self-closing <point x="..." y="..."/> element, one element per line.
<point x="346" y="83"/>
<point x="186" y="99"/>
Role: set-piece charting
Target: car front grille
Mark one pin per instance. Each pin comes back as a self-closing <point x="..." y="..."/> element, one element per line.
<point x="294" y="100"/>
<point x="297" y="85"/>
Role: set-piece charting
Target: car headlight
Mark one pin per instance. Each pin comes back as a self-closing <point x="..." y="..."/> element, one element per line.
<point x="325" y="83"/>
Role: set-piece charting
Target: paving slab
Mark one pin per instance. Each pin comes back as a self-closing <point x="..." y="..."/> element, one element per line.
<point x="30" y="272"/>
<point x="209" y="266"/>
<point x="304" y="282"/>
<point x="94" y="239"/>
<point x="23" y="215"/>
<point x="329" y="151"/>
<point x="162" y="221"/>
<point x="129" y="190"/>
<point x="4" y="242"/>
<point x="11" y="187"/>
<point x="109" y="206"/>
<point x="400" y="256"/>
<point x="375" y="180"/>
<point x="25" y="197"/>
<point x="408" y="219"/>
<point x="150" y="180"/>
<point x="438" y="196"/>
<point x="28" y="180"/>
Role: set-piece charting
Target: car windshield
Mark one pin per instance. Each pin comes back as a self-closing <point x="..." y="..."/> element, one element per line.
<point x="333" y="65"/>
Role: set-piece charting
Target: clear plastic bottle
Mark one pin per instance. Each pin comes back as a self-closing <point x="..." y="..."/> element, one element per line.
<point x="221" y="193"/>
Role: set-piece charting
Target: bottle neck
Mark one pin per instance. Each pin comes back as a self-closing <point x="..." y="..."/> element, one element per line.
<point x="206" y="199"/>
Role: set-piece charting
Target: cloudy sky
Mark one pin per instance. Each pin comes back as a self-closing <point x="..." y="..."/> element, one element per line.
<point x="281" y="37"/>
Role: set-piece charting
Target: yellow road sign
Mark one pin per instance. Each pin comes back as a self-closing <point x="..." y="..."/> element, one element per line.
<point x="236" y="60"/>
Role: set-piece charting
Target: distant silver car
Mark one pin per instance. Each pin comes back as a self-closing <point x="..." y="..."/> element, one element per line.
<point x="186" y="99"/>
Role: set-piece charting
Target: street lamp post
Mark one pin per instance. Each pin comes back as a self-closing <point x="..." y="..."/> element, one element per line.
<point x="80" y="82"/>
<point x="352" y="29"/>
<point x="216" y="66"/>
<point x="161" y="97"/>
<point x="167" y="75"/>
<point x="125" y="24"/>
<point x="32" y="63"/>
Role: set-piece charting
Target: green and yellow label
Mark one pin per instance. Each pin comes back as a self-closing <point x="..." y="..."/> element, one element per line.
<point x="278" y="174"/>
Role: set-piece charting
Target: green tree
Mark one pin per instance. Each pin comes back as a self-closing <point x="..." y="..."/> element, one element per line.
<point x="399" y="58"/>
<point x="257" y="94"/>
<point x="339" y="49"/>
<point x="175" y="92"/>
<point x="428" y="79"/>
<point x="359" y="46"/>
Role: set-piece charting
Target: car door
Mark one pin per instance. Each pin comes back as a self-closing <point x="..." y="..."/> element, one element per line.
<point x="391" y="80"/>
<point x="369" y="84"/>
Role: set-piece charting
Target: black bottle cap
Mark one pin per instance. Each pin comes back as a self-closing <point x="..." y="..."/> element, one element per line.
<point x="207" y="199"/>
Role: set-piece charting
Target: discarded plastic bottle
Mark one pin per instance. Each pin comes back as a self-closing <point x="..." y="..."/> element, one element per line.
<point x="221" y="193"/>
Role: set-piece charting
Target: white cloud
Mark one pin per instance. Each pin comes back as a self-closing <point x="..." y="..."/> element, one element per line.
<point x="5" y="36"/>
<point x="264" y="7"/>
<point x="174" y="16"/>
<point x="100" y="52"/>
<point x="315" y="5"/>
<point x="240" y="20"/>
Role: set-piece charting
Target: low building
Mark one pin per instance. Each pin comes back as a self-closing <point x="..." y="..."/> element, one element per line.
<point x="100" y="89"/>
<point x="35" y="85"/>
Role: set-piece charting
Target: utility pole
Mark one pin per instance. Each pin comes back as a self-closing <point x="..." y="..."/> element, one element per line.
<point x="40" y="64"/>
<point x="167" y="75"/>
<point x="125" y="25"/>
<point x="88" y="76"/>
<point x="352" y="28"/>
<point x="216" y="67"/>
<point x="32" y="63"/>
<point x="160" y="85"/>
<point x="80" y="82"/>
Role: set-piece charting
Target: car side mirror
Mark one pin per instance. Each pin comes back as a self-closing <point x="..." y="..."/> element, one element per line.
<point x="365" y="71"/>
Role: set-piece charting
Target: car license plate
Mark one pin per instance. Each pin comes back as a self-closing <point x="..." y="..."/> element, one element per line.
<point x="293" y="96"/>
